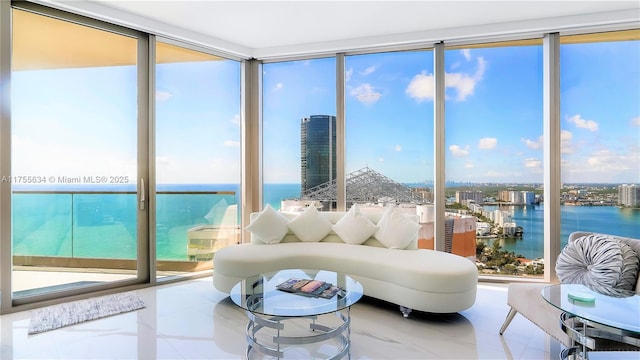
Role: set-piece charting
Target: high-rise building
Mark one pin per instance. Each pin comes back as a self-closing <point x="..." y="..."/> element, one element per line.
<point x="629" y="195"/>
<point x="476" y="196"/>
<point x="317" y="150"/>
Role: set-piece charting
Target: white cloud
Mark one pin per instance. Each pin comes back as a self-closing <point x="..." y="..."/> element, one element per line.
<point x="366" y="94"/>
<point x="608" y="161"/>
<point x="369" y="70"/>
<point x="582" y="123"/>
<point x="487" y="143"/>
<point x="231" y="143"/>
<point x="347" y="74"/>
<point x="469" y="165"/>
<point x="398" y="147"/>
<point x="463" y="83"/>
<point x="236" y="119"/>
<point x="279" y="86"/>
<point x="566" y="146"/>
<point x="466" y="53"/>
<point x="421" y="87"/>
<point x="380" y="159"/>
<point x="532" y="144"/>
<point x="635" y="121"/>
<point x="604" y="165"/>
<point x="532" y="163"/>
<point x="458" y="151"/>
<point x="163" y="96"/>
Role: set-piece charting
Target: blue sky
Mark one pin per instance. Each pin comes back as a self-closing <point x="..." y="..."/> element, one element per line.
<point x="494" y="112"/>
<point x="78" y="122"/>
<point x="82" y="122"/>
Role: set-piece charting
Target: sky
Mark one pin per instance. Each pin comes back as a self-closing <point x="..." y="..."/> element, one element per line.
<point x="82" y="122"/>
<point x="493" y="113"/>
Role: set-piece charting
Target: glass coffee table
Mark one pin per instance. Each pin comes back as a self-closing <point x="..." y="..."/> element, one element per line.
<point x="269" y="309"/>
<point x="588" y="317"/>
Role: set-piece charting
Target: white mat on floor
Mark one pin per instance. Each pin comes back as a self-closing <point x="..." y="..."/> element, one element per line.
<point x="57" y="316"/>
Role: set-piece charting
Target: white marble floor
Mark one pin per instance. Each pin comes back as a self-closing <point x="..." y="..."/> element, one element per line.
<point x="191" y="320"/>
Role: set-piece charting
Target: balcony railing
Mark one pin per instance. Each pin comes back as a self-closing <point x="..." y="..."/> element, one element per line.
<point x="99" y="228"/>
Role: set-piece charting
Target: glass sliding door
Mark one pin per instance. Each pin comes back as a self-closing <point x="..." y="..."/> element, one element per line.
<point x="197" y="158"/>
<point x="74" y="155"/>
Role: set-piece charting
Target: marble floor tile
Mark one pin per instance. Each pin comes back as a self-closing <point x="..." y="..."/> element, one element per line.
<point x="191" y="320"/>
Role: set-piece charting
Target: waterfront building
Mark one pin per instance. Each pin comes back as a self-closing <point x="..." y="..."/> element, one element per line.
<point x="482" y="228"/>
<point x="516" y="197"/>
<point x="460" y="231"/>
<point x="476" y="196"/>
<point x="629" y="195"/>
<point x="529" y="197"/>
<point x="317" y="151"/>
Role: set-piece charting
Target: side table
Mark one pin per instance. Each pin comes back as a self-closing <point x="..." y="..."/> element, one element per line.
<point x="594" y="319"/>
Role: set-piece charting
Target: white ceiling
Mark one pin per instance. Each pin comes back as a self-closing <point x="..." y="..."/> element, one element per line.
<point x="271" y="28"/>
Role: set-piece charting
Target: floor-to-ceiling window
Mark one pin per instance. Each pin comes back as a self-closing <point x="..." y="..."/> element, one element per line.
<point x="600" y="129"/>
<point x="389" y="133"/>
<point x="299" y="119"/>
<point x="197" y="157"/>
<point x="494" y="153"/>
<point x="83" y="141"/>
<point x="74" y="153"/>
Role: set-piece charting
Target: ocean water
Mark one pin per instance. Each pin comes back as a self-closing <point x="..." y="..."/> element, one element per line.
<point x="103" y="225"/>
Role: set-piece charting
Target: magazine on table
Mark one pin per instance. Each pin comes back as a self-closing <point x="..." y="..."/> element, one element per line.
<point x="308" y="287"/>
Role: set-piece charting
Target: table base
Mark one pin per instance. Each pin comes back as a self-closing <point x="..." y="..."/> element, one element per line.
<point x="276" y="348"/>
<point x="585" y="336"/>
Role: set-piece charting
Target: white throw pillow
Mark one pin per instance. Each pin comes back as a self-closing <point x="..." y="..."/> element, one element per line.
<point x="269" y="226"/>
<point x="396" y="231"/>
<point x="310" y="226"/>
<point x="354" y="228"/>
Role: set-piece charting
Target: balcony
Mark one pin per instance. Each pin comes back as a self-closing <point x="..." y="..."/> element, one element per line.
<point x="95" y="232"/>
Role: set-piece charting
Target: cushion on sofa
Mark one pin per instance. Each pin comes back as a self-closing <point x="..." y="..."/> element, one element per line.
<point x="269" y="226"/>
<point x="354" y="228"/>
<point x="395" y="231"/>
<point x="310" y="225"/>
<point x="600" y="262"/>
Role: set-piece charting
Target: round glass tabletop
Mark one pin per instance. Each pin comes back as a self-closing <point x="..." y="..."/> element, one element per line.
<point x="259" y="294"/>
<point x="578" y="300"/>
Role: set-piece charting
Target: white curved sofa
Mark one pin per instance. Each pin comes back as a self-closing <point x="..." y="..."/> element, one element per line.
<point x="419" y="279"/>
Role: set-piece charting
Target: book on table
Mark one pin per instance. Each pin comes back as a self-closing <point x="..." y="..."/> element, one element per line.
<point x="309" y="287"/>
